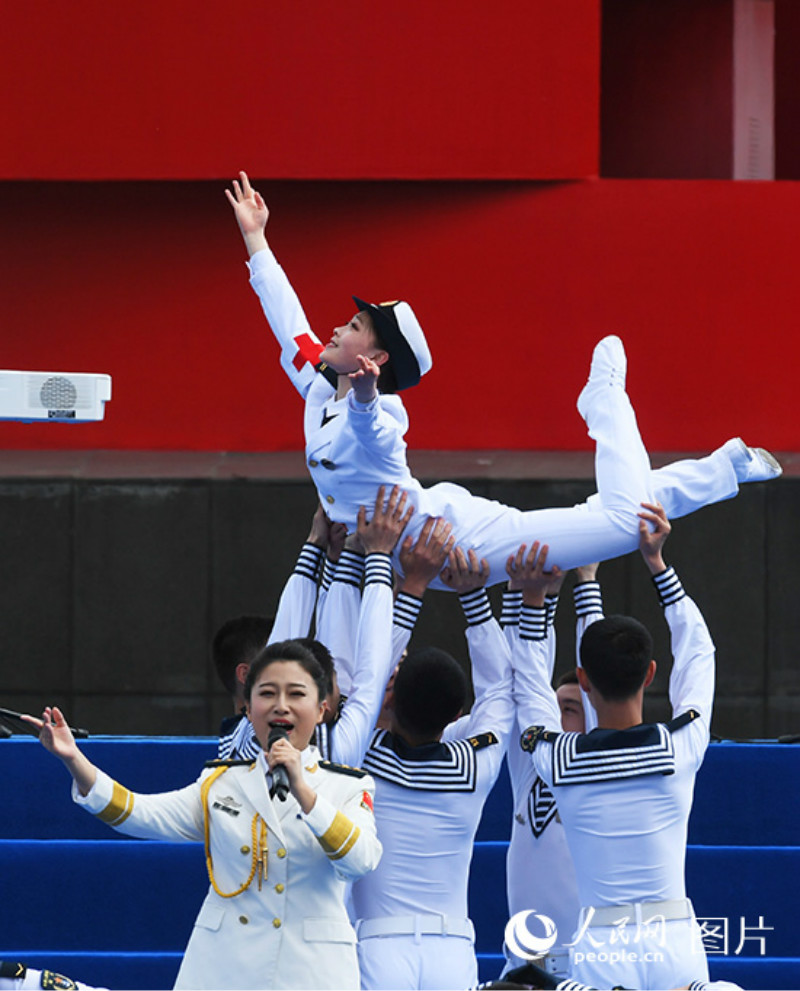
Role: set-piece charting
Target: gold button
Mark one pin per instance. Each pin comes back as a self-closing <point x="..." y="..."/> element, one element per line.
<point x="279" y="888"/>
<point x="243" y="919"/>
<point x="276" y="923"/>
<point x="281" y="852"/>
<point x="245" y="849"/>
<point x="330" y="500"/>
<point x="312" y="463"/>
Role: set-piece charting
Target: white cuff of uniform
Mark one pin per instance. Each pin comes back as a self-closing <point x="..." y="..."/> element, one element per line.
<point x="476" y="606"/>
<point x="669" y="587"/>
<point x="533" y="623"/>
<point x="258" y="263"/>
<point x="511" y="608"/>
<point x="100" y="795"/>
<point x="321" y="816"/>
<point x="328" y="573"/>
<point x="356" y="407"/>
<point x="378" y="568"/>
<point x="350" y="568"/>
<point x="550" y="604"/>
<point x="332" y="827"/>
<point x="588" y="598"/>
<point x="308" y="562"/>
<point x="406" y="610"/>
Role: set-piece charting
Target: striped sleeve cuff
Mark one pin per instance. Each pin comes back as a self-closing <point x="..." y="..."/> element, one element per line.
<point x="476" y="606"/>
<point x="350" y="568"/>
<point x="512" y="604"/>
<point x="551" y="603"/>
<point x="588" y="598"/>
<point x="669" y="587"/>
<point x="308" y="562"/>
<point x="533" y="623"/>
<point x="328" y="573"/>
<point x="406" y="610"/>
<point x="378" y="569"/>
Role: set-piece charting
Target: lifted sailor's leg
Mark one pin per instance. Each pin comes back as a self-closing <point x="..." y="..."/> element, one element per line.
<point x="622" y="465"/>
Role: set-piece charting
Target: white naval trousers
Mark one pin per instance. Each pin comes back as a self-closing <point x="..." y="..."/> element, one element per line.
<point x="605" y="528"/>
<point x="411" y="962"/>
<point x="687" y="485"/>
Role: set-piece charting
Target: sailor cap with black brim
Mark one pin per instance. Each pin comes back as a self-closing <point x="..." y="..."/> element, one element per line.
<point x="402" y="337"/>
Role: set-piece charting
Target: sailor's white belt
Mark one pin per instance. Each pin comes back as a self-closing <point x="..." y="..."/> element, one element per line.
<point x="637" y="913"/>
<point x="415" y="925"/>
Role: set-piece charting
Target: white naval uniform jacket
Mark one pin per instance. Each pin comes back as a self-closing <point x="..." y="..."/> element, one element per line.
<point x="626" y="824"/>
<point x="294" y="931"/>
<point x="539" y="869"/>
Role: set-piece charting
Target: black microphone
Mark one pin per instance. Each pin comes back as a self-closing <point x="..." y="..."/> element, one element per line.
<point x="280" y="776"/>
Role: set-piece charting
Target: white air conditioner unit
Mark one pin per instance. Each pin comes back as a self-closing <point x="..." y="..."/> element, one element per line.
<point x="64" y="397"/>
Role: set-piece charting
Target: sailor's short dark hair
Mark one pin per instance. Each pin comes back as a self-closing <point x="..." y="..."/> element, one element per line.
<point x="430" y="690"/>
<point x="615" y="654"/>
<point x="237" y="642"/>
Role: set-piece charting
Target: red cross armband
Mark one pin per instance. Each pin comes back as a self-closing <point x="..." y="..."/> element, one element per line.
<point x="308" y="350"/>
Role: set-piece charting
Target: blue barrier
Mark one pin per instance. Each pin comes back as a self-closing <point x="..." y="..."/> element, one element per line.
<point x="116" y="912"/>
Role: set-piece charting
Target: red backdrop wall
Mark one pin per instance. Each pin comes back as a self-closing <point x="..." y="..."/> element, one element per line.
<point x="144" y="278"/>
<point x="151" y="89"/>
<point x="513" y="283"/>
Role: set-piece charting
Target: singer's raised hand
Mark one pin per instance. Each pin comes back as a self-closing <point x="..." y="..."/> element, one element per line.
<point x="56" y="736"/>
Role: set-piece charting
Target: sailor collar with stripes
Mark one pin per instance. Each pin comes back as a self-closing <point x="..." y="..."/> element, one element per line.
<point x="451" y="766"/>
<point x="608" y="755"/>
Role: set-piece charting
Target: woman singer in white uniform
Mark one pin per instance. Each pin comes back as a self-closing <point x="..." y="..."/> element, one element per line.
<point x="278" y="860"/>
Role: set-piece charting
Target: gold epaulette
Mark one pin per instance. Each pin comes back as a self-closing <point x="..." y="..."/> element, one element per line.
<point x="482" y="740"/>
<point x="13" y="970"/>
<point x="354" y="772"/>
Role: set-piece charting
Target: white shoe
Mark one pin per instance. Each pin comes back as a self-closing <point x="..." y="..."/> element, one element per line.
<point x="609" y="366"/>
<point x="751" y="464"/>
